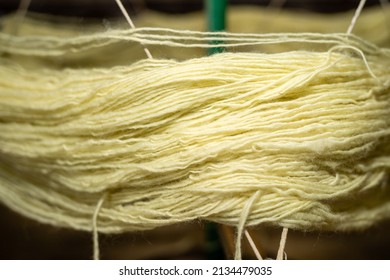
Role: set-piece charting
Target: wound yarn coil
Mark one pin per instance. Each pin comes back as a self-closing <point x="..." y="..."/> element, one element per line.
<point x="302" y="133"/>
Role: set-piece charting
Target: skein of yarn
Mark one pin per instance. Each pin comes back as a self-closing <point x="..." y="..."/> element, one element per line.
<point x="301" y="133"/>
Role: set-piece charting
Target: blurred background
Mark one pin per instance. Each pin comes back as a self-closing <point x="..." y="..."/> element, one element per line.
<point x="22" y="238"/>
<point x="106" y="8"/>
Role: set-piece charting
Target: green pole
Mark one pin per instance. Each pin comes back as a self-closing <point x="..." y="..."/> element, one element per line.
<point x="216" y="20"/>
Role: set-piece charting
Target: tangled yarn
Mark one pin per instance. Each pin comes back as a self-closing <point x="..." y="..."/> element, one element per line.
<point x="302" y="134"/>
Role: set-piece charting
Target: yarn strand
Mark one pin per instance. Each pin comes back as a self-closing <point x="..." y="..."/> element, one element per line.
<point x="126" y="15"/>
<point x="95" y="231"/>
<point x="21" y="14"/>
<point x="241" y="225"/>
<point x="253" y="245"/>
<point x="356" y="16"/>
<point x="282" y="245"/>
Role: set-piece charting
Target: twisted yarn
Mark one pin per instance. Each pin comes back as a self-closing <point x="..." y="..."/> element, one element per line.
<point x="302" y="134"/>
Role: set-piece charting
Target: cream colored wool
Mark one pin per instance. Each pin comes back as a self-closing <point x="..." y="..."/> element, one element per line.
<point x="298" y="138"/>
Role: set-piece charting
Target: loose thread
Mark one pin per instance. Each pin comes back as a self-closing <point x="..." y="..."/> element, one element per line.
<point x="126" y="15"/>
<point x="356" y="16"/>
<point x="282" y="244"/>
<point x="95" y="234"/>
<point x="253" y="245"/>
<point x="361" y="54"/>
<point x="20" y="15"/>
<point x="240" y="228"/>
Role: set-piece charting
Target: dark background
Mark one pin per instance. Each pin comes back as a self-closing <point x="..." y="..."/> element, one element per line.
<point x="108" y="8"/>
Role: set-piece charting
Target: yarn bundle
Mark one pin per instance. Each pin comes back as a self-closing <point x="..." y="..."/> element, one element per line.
<point x="297" y="138"/>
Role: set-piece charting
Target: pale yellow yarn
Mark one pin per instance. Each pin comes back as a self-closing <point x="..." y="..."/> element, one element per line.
<point x="304" y="132"/>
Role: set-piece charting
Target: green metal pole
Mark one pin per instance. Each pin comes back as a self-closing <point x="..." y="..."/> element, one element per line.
<point x="216" y="20"/>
